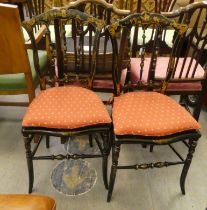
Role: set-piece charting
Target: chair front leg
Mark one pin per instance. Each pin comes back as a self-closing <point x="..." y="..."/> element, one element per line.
<point x="27" y="144"/>
<point x="90" y="140"/>
<point x="198" y="107"/>
<point x="47" y="141"/>
<point x="115" y="157"/>
<point x="192" y="146"/>
<point x="106" y="151"/>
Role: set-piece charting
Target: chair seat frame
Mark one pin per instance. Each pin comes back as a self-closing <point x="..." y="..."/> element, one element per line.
<point x="104" y="146"/>
<point x="118" y="140"/>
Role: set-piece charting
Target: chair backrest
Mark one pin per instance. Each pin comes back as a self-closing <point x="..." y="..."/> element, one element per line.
<point x="102" y="10"/>
<point x="13" y="55"/>
<point x="190" y="59"/>
<point x="156" y="6"/>
<point x="35" y="7"/>
<point x="60" y="71"/>
<point x="147" y="61"/>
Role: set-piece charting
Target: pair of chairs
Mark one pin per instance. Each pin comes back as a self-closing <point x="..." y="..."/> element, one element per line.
<point x="75" y="110"/>
<point x="103" y="77"/>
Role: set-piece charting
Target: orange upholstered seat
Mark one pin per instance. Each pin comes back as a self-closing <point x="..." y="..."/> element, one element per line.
<point x="26" y="202"/>
<point x="66" y="108"/>
<point x="150" y="114"/>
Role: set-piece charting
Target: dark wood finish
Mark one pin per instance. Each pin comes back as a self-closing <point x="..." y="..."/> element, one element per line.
<point x="102" y="3"/>
<point x="57" y="51"/>
<point x="82" y="39"/>
<point x="13" y="55"/>
<point x="35" y="7"/>
<point x="195" y="45"/>
<point x="156" y="6"/>
<point x="122" y="60"/>
<point x="152" y="6"/>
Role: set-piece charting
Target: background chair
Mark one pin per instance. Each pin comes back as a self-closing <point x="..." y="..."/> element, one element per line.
<point x="189" y="58"/>
<point x="148" y="117"/>
<point x="148" y="6"/>
<point x="70" y="109"/>
<point x="18" y="75"/>
<point x="192" y="55"/>
<point x="193" y="99"/>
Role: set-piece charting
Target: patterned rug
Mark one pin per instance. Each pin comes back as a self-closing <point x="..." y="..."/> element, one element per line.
<point x="73" y="177"/>
<point x="80" y="145"/>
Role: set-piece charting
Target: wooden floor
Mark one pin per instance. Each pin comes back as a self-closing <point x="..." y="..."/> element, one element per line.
<point x="152" y="189"/>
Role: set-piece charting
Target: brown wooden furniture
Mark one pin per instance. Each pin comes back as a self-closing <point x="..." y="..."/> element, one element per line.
<point x="27" y="202"/>
<point x="15" y="72"/>
<point x="19" y="3"/>
<point x="35" y="7"/>
<point x="148" y="117"/>
<point x="69" y="108"/>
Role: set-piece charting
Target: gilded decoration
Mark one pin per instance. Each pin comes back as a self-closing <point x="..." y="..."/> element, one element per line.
<point x="64" y="12"/>
<point x="147" y="19"/>
<point x="113" y="28"/>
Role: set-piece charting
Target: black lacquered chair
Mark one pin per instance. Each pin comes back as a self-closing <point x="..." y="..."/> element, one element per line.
<point x="69" y="108"/>
<point x="148" y="116"/>
<point x="190" y="58"/>
<point x="191" y="67"/>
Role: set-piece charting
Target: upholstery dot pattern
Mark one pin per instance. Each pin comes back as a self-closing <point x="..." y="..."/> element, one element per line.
<point x="150" y="114"/>
<point x="66" y="108"/>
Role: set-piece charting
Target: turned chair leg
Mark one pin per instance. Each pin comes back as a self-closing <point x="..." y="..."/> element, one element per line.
<point x="198" y="107"/>
<point x="105" y="170"/>
<point x="106" y="151"/>
<point x="47" y="141"/>
<point x="151" y="148"/>
<point x="182" y="98"/>
<point x="91" y="140"/>
<point x="115" y="157"/>
<point x="192" y="146"/>
<point x="36" y="138"/>
<point x="27" y="143"/>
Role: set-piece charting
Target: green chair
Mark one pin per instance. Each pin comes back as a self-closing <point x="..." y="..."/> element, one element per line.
<point x="17" y="72"/>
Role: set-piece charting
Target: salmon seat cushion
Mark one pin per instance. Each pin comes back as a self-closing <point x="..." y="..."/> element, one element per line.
<point x="150" y="114"/>
<point x="66" y="108"/>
